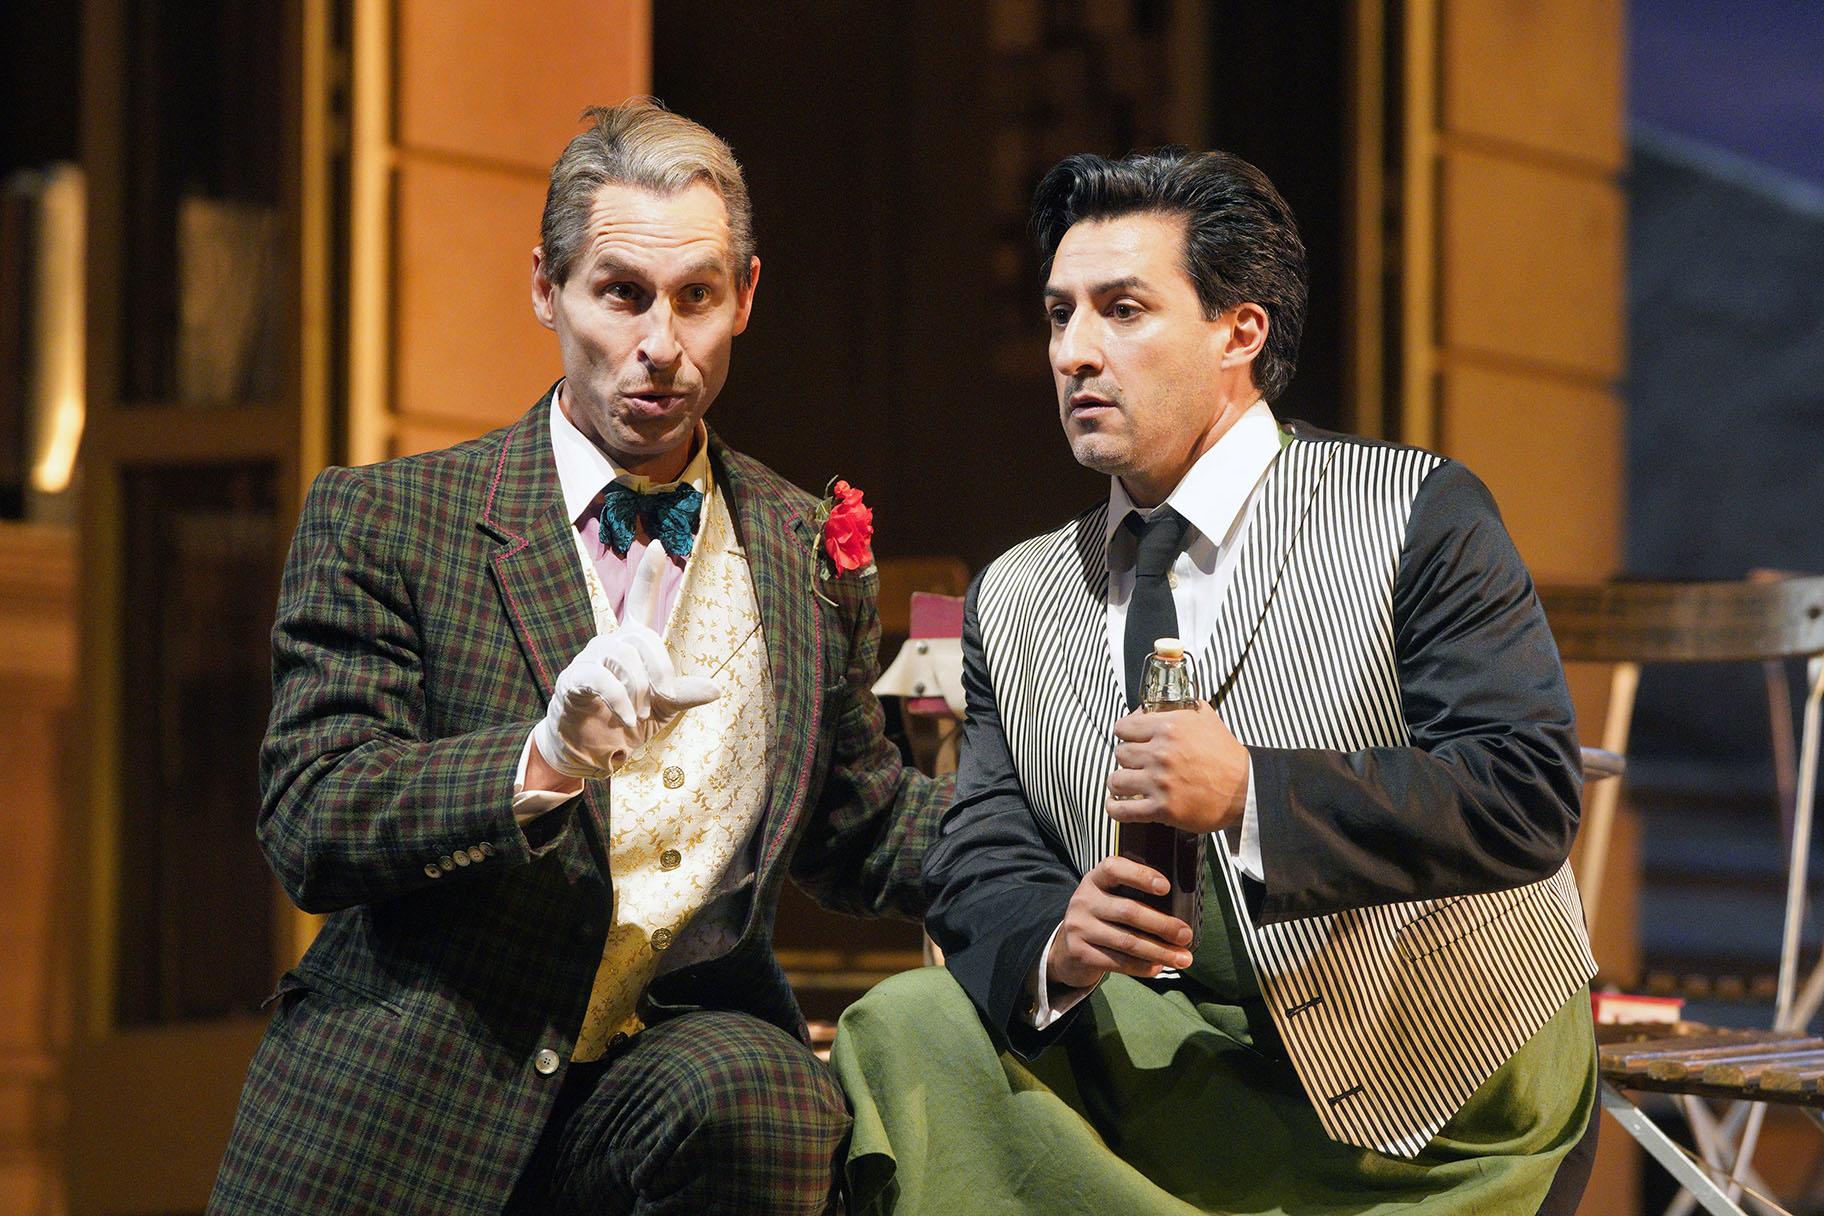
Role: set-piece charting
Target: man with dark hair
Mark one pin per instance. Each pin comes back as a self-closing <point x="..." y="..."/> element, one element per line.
<point x="1385" y="1007"/>
<point x="555" y="711"/>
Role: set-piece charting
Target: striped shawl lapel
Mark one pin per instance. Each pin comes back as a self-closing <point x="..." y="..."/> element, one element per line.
<point x="1080" y="622"/>
<point x="779" y="544"/>
<point x="1278" y="523"/>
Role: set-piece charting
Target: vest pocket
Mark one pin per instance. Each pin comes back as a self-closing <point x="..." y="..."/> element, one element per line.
<point x="1455" y="919"/>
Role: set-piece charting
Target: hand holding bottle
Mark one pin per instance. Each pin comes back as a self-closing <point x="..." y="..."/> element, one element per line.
<point x="1185" y="769"/>
<point x="1105" y="930"/>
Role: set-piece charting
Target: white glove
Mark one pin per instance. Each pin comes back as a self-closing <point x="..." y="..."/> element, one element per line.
<point x="621" y="690"/>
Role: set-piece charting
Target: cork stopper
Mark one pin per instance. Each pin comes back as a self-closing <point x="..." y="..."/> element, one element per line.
<point x="1170" y="649"/>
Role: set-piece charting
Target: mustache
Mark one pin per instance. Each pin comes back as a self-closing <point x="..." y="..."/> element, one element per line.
<point x="1080" y="384"/>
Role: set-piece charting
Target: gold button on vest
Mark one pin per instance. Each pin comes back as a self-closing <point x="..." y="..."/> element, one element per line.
<point x="670" y="847"/>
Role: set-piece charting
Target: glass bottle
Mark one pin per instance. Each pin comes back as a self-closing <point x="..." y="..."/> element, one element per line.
<point x="1168" y="684"/>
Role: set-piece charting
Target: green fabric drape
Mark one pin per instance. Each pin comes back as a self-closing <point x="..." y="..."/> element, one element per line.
<point x="1171" y="1097"/>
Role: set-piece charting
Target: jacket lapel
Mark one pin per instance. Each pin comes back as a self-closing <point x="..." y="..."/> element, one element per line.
<point x="1081" y="622"/>
<point x="536" y="568"/>
<point x="1279" y="519"/>
<point x="777" y="542"/>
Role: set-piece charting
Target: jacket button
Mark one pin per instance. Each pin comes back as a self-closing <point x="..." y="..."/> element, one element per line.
<point x="475" y="853"/>
<point x="661" y="938"/>
<point x="431" y="870"/>
<point x="460" y="857"/>
<point x="670" y="859"/>
<point x="673" y="777"/>
<point x="545" y="1061"/>
<point x="445" y="863"/>
<point x="487" y="850"/>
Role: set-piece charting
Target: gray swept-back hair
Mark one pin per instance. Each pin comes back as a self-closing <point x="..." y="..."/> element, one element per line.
<point x="640" y="143"/>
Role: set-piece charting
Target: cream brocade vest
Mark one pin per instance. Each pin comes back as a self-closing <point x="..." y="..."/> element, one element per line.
<point x="683" y="806"/>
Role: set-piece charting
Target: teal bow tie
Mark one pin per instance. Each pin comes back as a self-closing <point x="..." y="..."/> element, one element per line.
<point x="670" y="517"/>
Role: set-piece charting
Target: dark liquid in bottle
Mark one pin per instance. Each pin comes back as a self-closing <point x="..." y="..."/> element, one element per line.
<point x="1176" y="854"/>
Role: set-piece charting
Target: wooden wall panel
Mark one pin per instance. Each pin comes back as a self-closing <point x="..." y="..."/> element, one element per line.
<point x="468" y="346"/>
<point x="1532" y="264"/>
<point x="506" y="81"/>
<point x="485" y="95"/>
<point x="37" y="679"/>
<point x="1562" y="498"/>
<point x="1546" y="74"/>
<point x="416" y="434"/>
<point x="458" y="108"/>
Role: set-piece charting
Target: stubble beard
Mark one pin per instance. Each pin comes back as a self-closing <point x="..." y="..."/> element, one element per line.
<point x="1098" y="450"/>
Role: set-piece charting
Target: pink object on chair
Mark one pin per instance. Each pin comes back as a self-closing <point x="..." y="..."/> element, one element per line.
<point x="934" y="616"/>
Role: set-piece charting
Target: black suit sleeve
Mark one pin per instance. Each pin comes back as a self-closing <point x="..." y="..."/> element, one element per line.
<point x="997" y="884"/>
<point x="1487" y="796"/>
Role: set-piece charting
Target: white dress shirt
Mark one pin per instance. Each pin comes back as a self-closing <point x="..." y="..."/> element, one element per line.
<point x="1217" y="498"/>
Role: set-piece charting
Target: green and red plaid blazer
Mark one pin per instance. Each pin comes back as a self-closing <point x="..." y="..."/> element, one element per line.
<point x="427" y="605"/>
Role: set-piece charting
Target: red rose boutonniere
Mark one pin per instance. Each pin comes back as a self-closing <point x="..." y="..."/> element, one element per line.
<point x="845" y="534"/>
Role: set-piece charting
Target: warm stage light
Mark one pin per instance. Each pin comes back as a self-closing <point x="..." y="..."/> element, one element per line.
<point x="57" y="388"/>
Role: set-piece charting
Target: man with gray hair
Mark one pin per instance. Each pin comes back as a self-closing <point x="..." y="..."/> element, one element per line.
<point x="554" y="713"/>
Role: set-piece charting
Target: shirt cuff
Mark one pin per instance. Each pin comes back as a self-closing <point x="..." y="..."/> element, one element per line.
<point x="1041" y="1013"/>
<point x="1246" y="850"/>
<point x="530" y="804"/>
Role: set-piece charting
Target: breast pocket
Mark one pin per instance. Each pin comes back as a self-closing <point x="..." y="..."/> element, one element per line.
<point x="1454" y="920"/>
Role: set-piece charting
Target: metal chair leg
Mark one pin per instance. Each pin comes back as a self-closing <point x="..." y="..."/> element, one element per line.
<point x="1663" y="1149"/>
<point x="1669" y="1154"/>
<point x="1716" y="1140"/>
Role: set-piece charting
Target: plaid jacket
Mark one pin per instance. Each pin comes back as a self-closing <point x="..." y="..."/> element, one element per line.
<point x="427" y="605"/>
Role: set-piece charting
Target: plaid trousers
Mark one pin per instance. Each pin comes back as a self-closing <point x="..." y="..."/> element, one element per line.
<point x="708" y="1112"/>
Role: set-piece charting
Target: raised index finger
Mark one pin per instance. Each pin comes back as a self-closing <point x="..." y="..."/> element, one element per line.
<point x="644" y="603"/>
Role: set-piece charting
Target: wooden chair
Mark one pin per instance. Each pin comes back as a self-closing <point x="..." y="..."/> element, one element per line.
<point x="1767" y="620"/>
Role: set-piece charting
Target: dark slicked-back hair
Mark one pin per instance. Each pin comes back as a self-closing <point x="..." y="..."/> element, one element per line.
<point x="1241" y="243"/>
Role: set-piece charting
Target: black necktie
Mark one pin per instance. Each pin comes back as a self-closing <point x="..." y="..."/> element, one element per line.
<point x="1151" y="615"/>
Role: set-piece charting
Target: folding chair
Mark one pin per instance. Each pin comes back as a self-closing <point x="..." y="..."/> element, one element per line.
<point x="1768" y="620"/>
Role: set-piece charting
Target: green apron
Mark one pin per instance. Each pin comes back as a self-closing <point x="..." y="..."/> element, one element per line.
<point x="1171" y="1097"/>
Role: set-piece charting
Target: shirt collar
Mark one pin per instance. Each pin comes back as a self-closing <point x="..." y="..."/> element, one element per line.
<point x="583" y="469"/>
<point x="1216" y="489"/>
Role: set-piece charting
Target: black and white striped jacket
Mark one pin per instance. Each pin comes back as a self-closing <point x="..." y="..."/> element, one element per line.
<point x="1389" y="668"/>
